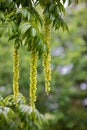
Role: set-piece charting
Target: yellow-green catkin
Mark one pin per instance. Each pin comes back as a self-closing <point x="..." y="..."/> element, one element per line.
<point x="15" y="73"/>
<point x="46" y="55"/>
<point x="33" y="78"/>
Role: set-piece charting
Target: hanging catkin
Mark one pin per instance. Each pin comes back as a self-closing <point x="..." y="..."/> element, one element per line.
<point x="33" y="78"/>
<point x="15" y="73"/>
<point x="46" y="55"/>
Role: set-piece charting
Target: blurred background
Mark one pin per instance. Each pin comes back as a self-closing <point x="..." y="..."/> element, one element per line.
<point x="66" y="105"/>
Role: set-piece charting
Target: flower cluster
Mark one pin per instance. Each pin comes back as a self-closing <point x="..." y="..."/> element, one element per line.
<point x="46" y="55"/>
<point x="15" y="73"/>
<point x="33" y="78"/>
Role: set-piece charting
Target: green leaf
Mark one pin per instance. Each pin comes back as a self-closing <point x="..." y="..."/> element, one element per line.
<point x="13" y="37"/>
<point x="24" y="109"/>
<point x="61" y="7"/>
<point x="9" y="100"/>
<point x="2" y="16"/>
<point x="25" y="14"/>
<point x="64" y="1"/>
<point x="5" y="113"/>
<point x="69" y="2"/>
<point x="24" y="27"/>
<point x="12" y="28"/>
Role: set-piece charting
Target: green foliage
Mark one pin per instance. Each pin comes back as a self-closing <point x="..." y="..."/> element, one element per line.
<point x="8" y="119"/>
<point x="31" y="119"/>
<point x="54" y="11"/>
<point x="9" y="100"/>
<point x="20" y="117"/>
<point x="18" y="14"/>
